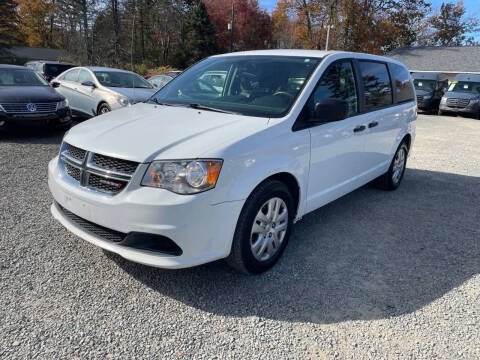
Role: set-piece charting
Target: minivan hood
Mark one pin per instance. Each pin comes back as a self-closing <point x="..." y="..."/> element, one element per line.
<point x="27" y="94"/>
<point x="136" y="95"/>
<point x="145" y="132"/>
<point x="460" y="95"/>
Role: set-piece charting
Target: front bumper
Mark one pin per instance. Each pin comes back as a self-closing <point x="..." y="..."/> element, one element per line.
<point x="203" y="231"/>
<point x="61" y="116"/>
<point x="472" y="109"/>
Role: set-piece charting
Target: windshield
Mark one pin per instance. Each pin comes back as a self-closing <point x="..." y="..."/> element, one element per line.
<point x="465" y="87"/>
<point x="53" y="70"/>
<point x="264" y="86"/>
<point x="21" y="77"/>
<point x="121" y="79"/>
<point x="427" y="85"/>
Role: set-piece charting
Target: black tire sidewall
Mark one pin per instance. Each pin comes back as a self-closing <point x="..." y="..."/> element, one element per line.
<point x="250" y="211"/>
<point x="103" y="106"/>
<point x="390" y="170"/>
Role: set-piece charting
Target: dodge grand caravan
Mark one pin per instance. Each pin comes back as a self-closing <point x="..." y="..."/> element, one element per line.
<point x="201" y="172"/>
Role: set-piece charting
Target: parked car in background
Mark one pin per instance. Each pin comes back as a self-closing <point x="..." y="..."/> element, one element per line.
<point x="429" y="87"/>
<point x="49" y="69"/>
<point x="462" y="97"/>
<point x="159" y="81"/>
<point x="174" y="73"/>
<point x="194" y="175"/>
<point x="26" y="99"/>
<point x="93" y="91"/>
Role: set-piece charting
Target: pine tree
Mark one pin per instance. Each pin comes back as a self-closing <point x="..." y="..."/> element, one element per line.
<point x="8" y="22"/>
<point x="199" y="37"/>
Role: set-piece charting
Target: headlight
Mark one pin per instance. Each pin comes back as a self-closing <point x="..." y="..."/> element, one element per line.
<point x="443" y="101"/>
<point x="62" y="104"/>
<point x="123" y="100"/>
<point x="183" y="176"/>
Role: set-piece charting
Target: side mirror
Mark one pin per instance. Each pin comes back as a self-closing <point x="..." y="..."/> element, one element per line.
<point x="55" y="84"/>
<point x="89" y="83"/>
<point x="328" y="110"/>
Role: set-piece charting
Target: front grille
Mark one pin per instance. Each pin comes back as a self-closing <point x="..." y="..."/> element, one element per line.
<point x="109" y="163"/>
<point x="98" y="172"/>
<point x="76" y="152"/>
<point x="72" y="171"/>
<point x="105" y="185"/>
<point x="30" y="108"/>
<point x="103" y="232"/>
<point x="419" y="98"/>
<point x="459" y="103"/>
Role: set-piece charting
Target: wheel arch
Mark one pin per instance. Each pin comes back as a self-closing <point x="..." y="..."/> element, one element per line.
<point x="290" y="181"/>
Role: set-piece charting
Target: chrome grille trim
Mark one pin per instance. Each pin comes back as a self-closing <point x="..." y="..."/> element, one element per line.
<point x="419" y="98"/>
<point x="21" y="108"/>
<point x="88" y="174"/>
<point x="459" y="103"/>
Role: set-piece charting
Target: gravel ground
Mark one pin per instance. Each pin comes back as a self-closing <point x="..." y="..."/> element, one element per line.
<point x="372" y="275"/>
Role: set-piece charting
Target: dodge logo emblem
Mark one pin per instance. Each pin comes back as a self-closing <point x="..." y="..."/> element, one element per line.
<point x="31" y="107"/>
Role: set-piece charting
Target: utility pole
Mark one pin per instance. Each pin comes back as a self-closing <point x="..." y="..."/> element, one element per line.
<point x="328" y="37"/>
<point x="230" y="25"/>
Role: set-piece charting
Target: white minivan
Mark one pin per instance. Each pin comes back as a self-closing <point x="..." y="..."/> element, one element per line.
<point x="200" y="172"/>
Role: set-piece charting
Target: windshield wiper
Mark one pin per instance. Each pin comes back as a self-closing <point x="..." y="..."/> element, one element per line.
<point x="208" y="108"/>
<point x="155" y="100"/>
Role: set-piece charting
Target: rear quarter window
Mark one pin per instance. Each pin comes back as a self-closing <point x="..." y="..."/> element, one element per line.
<point x="376" y="84"/>
<point x="404" y="91"/>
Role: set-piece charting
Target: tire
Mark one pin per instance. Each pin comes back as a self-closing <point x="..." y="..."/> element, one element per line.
<point x="270" y="233"/>
<point x="103" y="109"/>
<point x="393" y="177"/>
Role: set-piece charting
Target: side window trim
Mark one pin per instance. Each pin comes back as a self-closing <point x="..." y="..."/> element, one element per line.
<point x="300" y="122"/>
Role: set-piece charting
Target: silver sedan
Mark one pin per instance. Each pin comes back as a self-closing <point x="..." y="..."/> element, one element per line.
<point x="93" y="91"/>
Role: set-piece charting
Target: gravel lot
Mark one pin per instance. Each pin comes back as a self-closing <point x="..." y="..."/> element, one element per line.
<point x="372" y="275"/>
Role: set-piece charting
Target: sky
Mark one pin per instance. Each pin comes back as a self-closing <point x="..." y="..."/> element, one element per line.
<point x="472" y="6"/>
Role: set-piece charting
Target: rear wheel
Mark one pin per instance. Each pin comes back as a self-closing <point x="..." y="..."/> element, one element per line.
<point x="393" y="177"/>
<point x="103" y="109"/>
<point x="263" y="228"/>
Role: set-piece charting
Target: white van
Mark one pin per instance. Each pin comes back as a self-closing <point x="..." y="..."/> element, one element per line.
<point x="199" y="173"/>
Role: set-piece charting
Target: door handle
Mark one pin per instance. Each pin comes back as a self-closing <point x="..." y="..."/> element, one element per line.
<point x="372" y="124"/>
<point x="359" y="128"/>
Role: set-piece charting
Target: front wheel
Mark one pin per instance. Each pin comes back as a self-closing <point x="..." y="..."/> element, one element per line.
<point x="263" y="228"/>
<point x="393" y="177"/>
<point x="103" y="109"/>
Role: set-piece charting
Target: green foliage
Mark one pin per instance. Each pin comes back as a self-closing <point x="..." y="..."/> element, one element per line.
<point x="8" y="23"/>
<point x="199" y="37"/>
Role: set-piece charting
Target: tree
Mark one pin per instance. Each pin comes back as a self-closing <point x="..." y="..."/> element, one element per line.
<point x="8" y="23"/>
<point x="199" y="37"/>
<point x="451" y="26"/>
<point x="34" y="26"/>
<point x="283" y="25"/>
<point x="252" y="27"/>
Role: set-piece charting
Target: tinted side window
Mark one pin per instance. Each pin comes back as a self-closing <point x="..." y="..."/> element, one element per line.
<point x="71" y="75"/>
<point x="84" y="76"/>
<point x="337" y="82"/>
<point x="376" y="84"/>
<point x="403" y="87"/>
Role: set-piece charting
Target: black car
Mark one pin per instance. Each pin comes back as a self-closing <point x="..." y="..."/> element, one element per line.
<point x="26" y="98"/>
<point x="429" y="87"/>
<point x="49" y="69"/>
